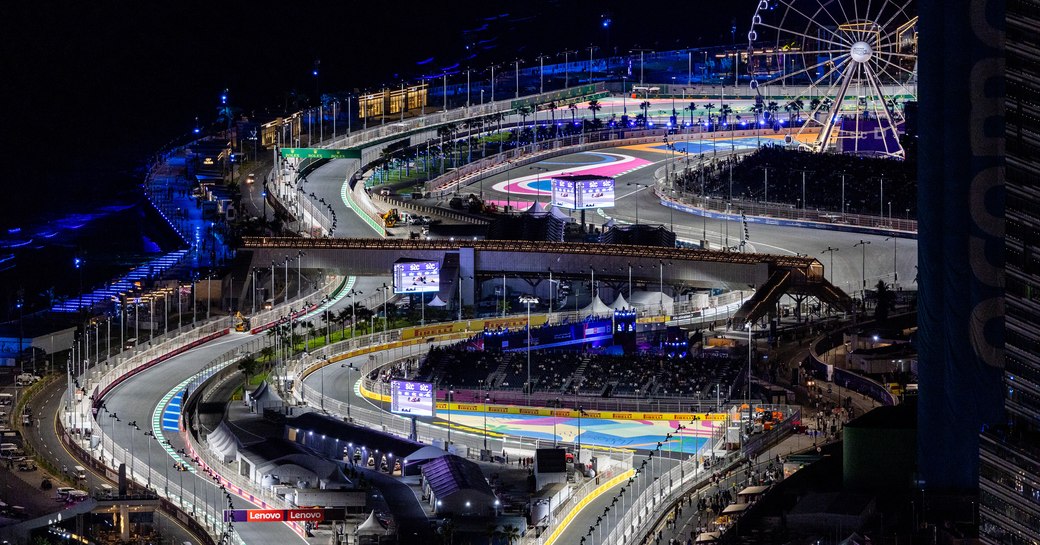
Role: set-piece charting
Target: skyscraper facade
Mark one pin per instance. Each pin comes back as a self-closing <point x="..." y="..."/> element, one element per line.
<point x="1009" y="480"/>
<point x="960" y="246"/>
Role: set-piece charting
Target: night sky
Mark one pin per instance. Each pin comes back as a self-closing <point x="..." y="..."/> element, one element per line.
<point x="93" y="89"/>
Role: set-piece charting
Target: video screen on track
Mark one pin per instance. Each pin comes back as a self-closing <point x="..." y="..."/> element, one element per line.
<point x="417" y="277"/>
<point x="583" y="194"/>
<point x="411" y="398"/>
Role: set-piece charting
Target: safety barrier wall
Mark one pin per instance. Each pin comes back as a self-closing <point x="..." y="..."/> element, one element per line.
<point x="842" y="377"/>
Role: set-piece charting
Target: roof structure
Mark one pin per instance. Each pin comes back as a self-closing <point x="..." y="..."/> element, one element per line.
<point x="347" y="433"/>
<point x="450" y="474"/>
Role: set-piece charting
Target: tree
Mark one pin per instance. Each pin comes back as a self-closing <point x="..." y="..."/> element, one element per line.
<point x="885" y="301"/>
<point x="523" y="112"/>
<point x="645" y="106"/>
<point x="772" y="108"/>
<point x="267" y="354"/>
<point x="552" y="111"/>
<point x="814" y="106"/>
<point x="248" y="365"/>
<point x="709" y="107"/>
<point x="724" y="112"/>
<point x="691" y="107"/>
<point x="594" y="107"/>
<point x="574" y="109"/>
<point x="512" y="534"/>
<point x="757" y="110"/>
<point x="492" y="533"/>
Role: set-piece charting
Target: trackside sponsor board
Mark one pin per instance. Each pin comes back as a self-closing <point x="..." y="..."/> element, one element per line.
<point x="274" y="515"/>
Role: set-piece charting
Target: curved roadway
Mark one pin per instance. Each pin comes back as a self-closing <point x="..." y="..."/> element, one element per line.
<point x="136" y="399"/>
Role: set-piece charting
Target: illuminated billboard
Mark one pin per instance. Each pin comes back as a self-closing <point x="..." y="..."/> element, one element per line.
<point x="411" y="398"/>
<point x="581" y="192"/>
<point x="417" y="277"/>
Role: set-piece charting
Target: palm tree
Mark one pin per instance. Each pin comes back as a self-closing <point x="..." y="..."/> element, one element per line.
<point x="248" y="365"/>
<point x="573" y="108"/>
<point x="692" y="107"/>
<point x="814" y="105"/>
<point x="512" y="534"/>
<point x="552" y="111"/>
<point x="757" y="110"/>
<point x="492" y="533"/>
<point x="772" y="108"/>
<point x="645" y="106"/>
<point x="885" y="300"/>
<point x="709" y="107"/>
<point x="523" y="112"/>
<point x="724" y="111"/>
<point x="267" y="354"/>
<point x="594" y="107"/>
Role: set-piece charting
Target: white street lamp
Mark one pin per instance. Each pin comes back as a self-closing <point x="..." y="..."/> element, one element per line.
<point x="528" y="300"/>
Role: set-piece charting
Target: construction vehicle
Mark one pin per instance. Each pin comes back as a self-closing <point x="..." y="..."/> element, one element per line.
<point x="391" y="218"/>
<point x="241" y="322"/>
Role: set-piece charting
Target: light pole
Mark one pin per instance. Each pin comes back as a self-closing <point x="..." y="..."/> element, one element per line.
<point x="528" y="300"/>
<point x="831" y="251"/>
<point x="750" y="340"/>
<point x="322" y="385"/>
<point x="353" y="310"/>
<point x="863" y="270"/>
<point x="350" y="386"/>
<point x="895" y="256"/>
<point x="149" y="433"/>
<point x="450" y="393"/>
<point x="299" y="274"/>
<point x="386" y="318"/>
<point x="487" y="399"/>
<point x="640" y="187"/>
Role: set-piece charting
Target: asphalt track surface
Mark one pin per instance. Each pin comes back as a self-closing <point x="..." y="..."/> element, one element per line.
<point x="136" y="399"/>
<point x="882" y="258"/>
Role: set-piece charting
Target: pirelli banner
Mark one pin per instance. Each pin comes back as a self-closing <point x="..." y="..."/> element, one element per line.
<point x="283" y="515"/>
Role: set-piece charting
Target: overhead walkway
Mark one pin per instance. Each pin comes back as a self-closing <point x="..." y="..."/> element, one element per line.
<point x="790" y="281"/>
<point x="678" y="268"/>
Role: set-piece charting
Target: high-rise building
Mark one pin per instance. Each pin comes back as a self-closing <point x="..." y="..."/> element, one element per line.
<point x="1009" y="480"/>
<point x="960" y="247"/>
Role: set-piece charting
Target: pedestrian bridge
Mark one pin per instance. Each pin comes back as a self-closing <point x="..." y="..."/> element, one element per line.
<point x="477" y="260"/>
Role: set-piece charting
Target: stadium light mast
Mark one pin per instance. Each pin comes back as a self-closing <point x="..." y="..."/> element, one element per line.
<point x="528" y="300"/>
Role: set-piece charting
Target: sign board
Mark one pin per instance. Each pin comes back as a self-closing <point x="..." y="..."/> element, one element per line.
<point x="417" y="277"/>
<point x="563" y="194"/>
<point x="281" y="515"/>
<point x="580" y="194"/>
<point x="411" y="398"/>
<point x="321" y="153"/>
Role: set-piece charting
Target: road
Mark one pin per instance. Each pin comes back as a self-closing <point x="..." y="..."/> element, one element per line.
<point x="882" y="258"/>
<point x="135" y="401"/>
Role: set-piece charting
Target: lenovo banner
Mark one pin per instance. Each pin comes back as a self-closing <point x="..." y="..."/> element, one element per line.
<point x="275" y="515"/>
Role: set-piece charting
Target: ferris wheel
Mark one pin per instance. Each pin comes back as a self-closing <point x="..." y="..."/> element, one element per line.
<point x="839" y="70"/>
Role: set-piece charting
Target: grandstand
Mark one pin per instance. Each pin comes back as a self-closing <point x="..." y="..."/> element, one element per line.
<point x="464" y="366"/>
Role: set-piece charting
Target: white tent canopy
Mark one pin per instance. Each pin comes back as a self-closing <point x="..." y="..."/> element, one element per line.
<point x="558" y="213"/>
<point x="652" y="301"/>
<point x="596" y="307"/>
<point x="620" y="303"/>
<point x="436" y="302"/>
<point x="536" y="209"/>
<point x="371" y="527"/>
